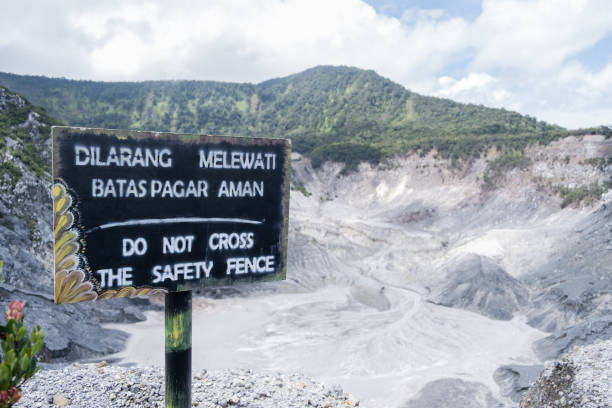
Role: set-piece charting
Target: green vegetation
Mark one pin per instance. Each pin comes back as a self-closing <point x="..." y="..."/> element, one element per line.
<point x="497" y="168"/>
<point x="11" y="171"/>
<point x="330" y="113"/>
<point x="583" y="194"/>
<point x="26" y="146"/>
<point x="599" y="130"/>
<point x="351" y="154"/>
<point x="19" y="350"/>
<point x="301" y="188"/>
<point x="598" y="162"/>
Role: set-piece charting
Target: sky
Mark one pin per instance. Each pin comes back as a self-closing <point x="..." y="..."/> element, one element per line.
<point x="551" y="59"/>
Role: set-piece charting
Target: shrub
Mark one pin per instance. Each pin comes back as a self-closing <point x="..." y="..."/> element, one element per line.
<point x="598" y="162"/>
<point x="13" y="172"/>
<point x="351" y="154"/>
<point x="19" y="349"/>
<point x="586" y="194"/>
<point x="497" y="168"/>
<point x="299" y="186"/>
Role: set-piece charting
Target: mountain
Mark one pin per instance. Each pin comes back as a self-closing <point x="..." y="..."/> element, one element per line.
<point x="330" y="113"/>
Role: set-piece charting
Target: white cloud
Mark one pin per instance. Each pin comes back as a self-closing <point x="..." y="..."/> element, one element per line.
<point x="525" y="59"/>
<point x="581" y="98"/>
<point x="522" y="53"/>
<point x="248" y="40"/>
<point x="476" y="87"/>
<point x="532" y="36"/>
<point x="469" y="83"/>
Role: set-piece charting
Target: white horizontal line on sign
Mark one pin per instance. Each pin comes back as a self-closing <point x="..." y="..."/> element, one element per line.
<point x="178" y="220"/>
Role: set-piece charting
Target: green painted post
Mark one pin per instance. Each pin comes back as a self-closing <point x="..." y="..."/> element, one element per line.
<point x="178" y="349"/>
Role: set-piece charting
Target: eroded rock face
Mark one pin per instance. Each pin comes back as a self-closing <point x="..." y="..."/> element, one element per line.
<point x="575" y="284"/>
<point x="9" y="99"/>
<point x="511" y="253"/>
<point x="577" y="335"/>
<point x="26" y="246"/>
<point x="580" y="379"/>
<point x="514" y="380"/>
<point x="478" y="284"/>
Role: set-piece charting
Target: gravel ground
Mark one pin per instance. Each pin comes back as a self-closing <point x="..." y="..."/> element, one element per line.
<point x="101" y="385"/>
<point x="582" y="378"/>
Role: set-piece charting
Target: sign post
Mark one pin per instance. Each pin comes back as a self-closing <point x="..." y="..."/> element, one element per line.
<point x="137" y="213"/>
<point x="178" y="349"/>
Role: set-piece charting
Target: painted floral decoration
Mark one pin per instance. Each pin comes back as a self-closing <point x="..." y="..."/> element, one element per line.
<point x="70" y="284"/>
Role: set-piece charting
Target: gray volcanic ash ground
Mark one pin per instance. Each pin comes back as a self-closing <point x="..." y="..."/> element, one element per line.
<point x="409" y="284"/>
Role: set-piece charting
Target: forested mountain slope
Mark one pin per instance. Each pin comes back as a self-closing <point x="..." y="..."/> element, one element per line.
<point x="338" y="113"/>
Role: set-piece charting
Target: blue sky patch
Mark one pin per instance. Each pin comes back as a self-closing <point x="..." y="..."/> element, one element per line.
<point x="466" y="9"/>
<point x="598" y="55"/>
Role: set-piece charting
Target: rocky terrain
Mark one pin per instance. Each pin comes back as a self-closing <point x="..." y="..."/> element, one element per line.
<point x="413" y="281"/>
<point x="510" y="253"/>
<point x="580" y="379"/>
<point x="409" y="282"/>
<point x="26" y="242"/>
<point x="100" y="386"/>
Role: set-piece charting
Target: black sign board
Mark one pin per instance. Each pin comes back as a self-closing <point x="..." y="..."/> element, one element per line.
<point x="138" y="212"/>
